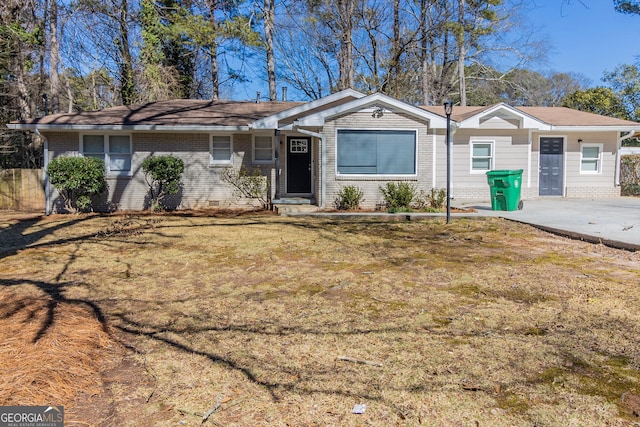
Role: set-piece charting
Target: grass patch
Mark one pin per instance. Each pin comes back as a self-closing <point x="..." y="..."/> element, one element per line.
<point x="295" y="320"/>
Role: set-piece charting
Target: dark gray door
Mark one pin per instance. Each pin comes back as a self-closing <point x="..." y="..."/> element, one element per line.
<point x="551" y="166"/>
<point x="299" y="165"/>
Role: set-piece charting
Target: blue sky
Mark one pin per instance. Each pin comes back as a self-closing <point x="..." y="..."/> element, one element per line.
<point x="586" y="40"/>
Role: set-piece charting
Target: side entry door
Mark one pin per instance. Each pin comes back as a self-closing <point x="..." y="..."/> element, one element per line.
<point x="551" y="166"/>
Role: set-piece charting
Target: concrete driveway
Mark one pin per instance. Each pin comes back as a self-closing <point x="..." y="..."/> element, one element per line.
<point x="611" y="221"/>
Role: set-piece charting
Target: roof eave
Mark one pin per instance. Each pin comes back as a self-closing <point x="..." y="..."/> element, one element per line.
<point x="608" y="128"/>
<point x="129" y="128"/>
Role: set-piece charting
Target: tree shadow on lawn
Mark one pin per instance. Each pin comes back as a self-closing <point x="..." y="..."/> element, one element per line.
<point x="26" y="233"/>
<point x="55" y="292"/>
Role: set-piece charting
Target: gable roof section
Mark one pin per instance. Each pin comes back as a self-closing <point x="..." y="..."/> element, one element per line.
<point x="376" y="100"/>
<point x="181" y="114"/>
<point x="287" y="117"/>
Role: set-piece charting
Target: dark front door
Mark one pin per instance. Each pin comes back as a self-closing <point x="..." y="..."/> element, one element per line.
<point x="551" y="166"/>
<point x="299" y="165"/>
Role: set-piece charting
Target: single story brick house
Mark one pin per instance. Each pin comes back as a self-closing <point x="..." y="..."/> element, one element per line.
<point x="309" y="151"/>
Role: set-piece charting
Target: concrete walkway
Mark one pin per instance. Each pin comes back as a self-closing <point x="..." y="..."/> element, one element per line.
<point x="612" y="221"/>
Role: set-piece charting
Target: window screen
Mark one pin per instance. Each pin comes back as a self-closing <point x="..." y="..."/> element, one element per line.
<point x="119" y="153"/>
<point x="262" y="149"/>
<point x="590" y="158"/>
<point x="221" y="148"/>
<point x="481" y="155"/>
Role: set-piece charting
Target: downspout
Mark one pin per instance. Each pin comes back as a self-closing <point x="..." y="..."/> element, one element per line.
<point x="618" y="157"/>
<point x="47" y="197"/>
<point x="276" y="145"/>
<point x="434" y="143"/>
<point x="530" y="148"/>
<point x="323" y="162"/>
<point x="454" y="129"/>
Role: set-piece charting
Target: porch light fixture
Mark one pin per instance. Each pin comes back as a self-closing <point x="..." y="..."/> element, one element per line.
<point x="448" y="108"/>
<point x="378" y="112"/>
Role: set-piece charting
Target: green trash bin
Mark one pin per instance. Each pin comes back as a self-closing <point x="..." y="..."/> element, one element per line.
<point x="505" y="189"/>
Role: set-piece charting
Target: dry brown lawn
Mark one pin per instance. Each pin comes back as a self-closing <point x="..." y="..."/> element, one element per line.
<point x="257" y="320"/>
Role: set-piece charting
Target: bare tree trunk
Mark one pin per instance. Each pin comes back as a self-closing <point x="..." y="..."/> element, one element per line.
<point x="213" y="54"/>
<point x="215" y="79"/>
<point x="424" y="46"/>
<point x="23" y="91"/>
<point x="395" y="61"/>
<point x="461" y="54"/>
<point x="424" y="54"/>
<point x="94" y="90"/>
<point x="54" y="57"/>
<point x="346" y="10"/>
<point x="70" y="94"/>
<point x="43" y="52"/>
<point x="127" y="84"/>
<point x="269" y="25"/>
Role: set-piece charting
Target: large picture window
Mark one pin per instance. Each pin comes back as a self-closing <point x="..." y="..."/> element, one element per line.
<point x="590" y="158"/>
<point x="114" y="150"/>
<point x="376" y="152"/>
<point x="481" y="156"/>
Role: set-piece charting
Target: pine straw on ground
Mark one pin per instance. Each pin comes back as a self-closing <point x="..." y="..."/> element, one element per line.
<point x="49" y="351"/>
<point x="268" y="321"/>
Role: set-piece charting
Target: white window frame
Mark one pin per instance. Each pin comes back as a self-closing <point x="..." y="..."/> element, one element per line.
<point x="225" y="162"/>
<point x="491" y="158"/>
<point x="380" y="176"/>
<point x="254" y="150"/>
<point x="106" y="152"/>
<point x="598" y="160"/>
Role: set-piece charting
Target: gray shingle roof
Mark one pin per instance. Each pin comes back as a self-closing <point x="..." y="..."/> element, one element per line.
<point x="556" y="116"/>
<point x="198" y="113"/>
<point x="181" y="112"/>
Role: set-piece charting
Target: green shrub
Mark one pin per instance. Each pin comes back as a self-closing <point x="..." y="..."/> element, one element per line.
<point x="77" y="179"/>
<point x="249" y="183"/>
<point x="398" y="196"/>
<point x="437" y="198"/>
<point x="630" y="190"/>
<point x="433" y="201"/>
<point x="162" y="174"/>
<point x="349" y="197"/>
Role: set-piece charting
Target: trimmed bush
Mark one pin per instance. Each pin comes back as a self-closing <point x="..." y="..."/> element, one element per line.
<point x="162" y="174"/>
<point x="349" y="197"/>
<point x="77" y="179"/>
<point x="398" y="196"/>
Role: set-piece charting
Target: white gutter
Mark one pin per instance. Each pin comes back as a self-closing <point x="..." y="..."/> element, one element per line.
<point x="323" y="162"/>
<point x="594" y="128"/>
<point x="139" y="128"/>
<point x="622" y="138"/>
<point x="47" y="185"/>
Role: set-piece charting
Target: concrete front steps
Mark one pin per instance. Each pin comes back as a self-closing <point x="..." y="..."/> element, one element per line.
<point x="288" y="205"/>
